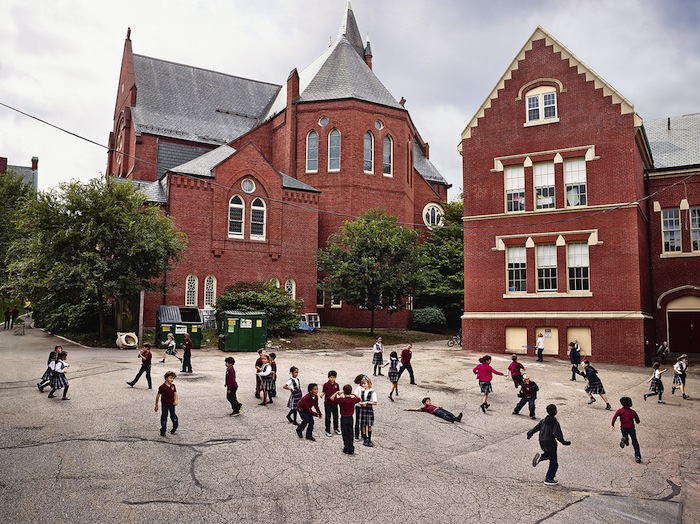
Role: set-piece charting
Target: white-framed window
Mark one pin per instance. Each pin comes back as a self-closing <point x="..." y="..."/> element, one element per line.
<point x="695" y="228"/>
<point x="541" y="105"/>
<point x="388" y="156"/>
<point x="248" y="185"/>
<point x="671" y="228"/>
<point x="515" y="188"/>
<point x="334" y="150"/>
<point x="578" y="266"/>
<point x="312" y="152"/>
<point x="517" y="269"/>
<point x="336" y="303"/>
<point x="575" y="182"/>
<point x="433" y="215"/>
<point x="547" y="267"/>
<point x="191" y="288"/>
<point x="236" y="208"/>
<point x="291" y="288"/>
<point x="209" y="291"/>
<point x="544" y="185"/>
<point x="276" y="282"/>
<point x="368" y="164"/>
<point x="257" y="219"/>
<point x="323" y="121"/>
<point x="320" y="298"/>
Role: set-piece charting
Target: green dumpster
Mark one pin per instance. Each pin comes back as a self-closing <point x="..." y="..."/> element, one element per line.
<point x="242" y="331"/>
<point x="179" y="320"/>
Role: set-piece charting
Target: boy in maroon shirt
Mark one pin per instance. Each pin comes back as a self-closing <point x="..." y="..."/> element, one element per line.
<point x="438" y="411"/>
<point x="405" y="358"/>
<point x="146" y="356"/>
<point x="346" y="402"/>
<point x="232" y="387"/>
<point x="168" y="393"/>
<point x="308" y="409"/>
<point x="628" y="417"/>
<point x="330" y="406"/>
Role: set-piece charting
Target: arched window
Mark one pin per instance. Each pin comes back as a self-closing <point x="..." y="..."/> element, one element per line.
<point x="276" y="282"/>
<point x="291" y="288"/>
<point x="257" y="219"/>
<point x="388" y="162"/>
<point x="433" y="215"/>
<point x="312" y="152"/>
<point x="334" y="150"/>
<point x="235" y="217"/>
<point x="209" y="291"/>
<point x="369" y="153"/>
<point x="191" y="285"/>
<point x="541" y="105"/>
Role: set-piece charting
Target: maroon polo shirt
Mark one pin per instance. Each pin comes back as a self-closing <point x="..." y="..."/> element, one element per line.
<point x="328" y="390"/>
<point x="347" y="405"/>
<point x="167" y="393"/>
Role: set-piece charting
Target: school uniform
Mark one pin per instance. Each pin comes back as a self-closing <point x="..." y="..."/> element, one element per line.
<point x="550" y="432"/>
<point x="308" y="408"/>
<point x="406" y="355"/>
<point x="295" y="396"/>
<point x="268" y="379"/>
<point x="595" y="385"/>
<point x="187" y="356"/>
<point x="515" y="374"/>
<point x="366" y="415"/>
<point x="394" y="366"/>
<point x="58" y="378"/>
<point x="484" y="373"/>
<point x="377" y="358"/>
<point x="679" y="374"/>
<point x="655" y="385"/>
<point x="330" y="406"/>
<point x="231" y="390"/>
<point x="528" y="395"/>
<point x="358" y="391"/>
<point x="46" y="377"/>
<point x="167" y="400"/>
<point x="272" y="392"/>
<point x="347" y="408"/>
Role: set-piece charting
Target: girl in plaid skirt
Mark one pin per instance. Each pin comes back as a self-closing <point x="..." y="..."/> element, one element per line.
<point x="293" y="385"/>
<point x="267" y="378"/>
<point x="656" y="387"/>
<point x="368" y="398"/>
<point x="679" y="369"/>
<point x="595" y="386"/>
<point x="394" y="366"/>
<point x="378" y="356"/>
<point x="58" y="379"/>
<point x="484" y="373"/>
<point x="46" y="377"/>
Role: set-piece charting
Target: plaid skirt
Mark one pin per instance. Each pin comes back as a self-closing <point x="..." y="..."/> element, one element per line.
<point x="595" y="388"/>
<point x="485" y="387"/>
<point x="294" y="399"/>
<point x="393" y="376"/>
<point x="377" y="359"/>
<point x="365" y="416"/>
<point x="46" y="377"/>
<point x="59" y="381"/>
<point x="656" y="386"/>
<point x="268" y="383"/>
<point x="678" y="380"/>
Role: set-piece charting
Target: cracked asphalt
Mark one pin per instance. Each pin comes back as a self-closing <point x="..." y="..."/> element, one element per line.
<point x="99" y="457"/>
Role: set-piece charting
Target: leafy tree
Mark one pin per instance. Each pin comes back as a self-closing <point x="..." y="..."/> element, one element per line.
<point x="372" y="263"/>
<point x="281" y="310"/>
<point x="428" y="317"/>
<point x="444" y="251"/>
<point x="13" y="193"/>
<point x="84" y="246"/>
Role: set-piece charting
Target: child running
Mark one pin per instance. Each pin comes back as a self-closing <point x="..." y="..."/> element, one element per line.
<point x="308" y="409"/>
<point x="515" y="370"/>
<point x="484" y="373"/>
<point x="232" y="387"/>
<point x="550" y="432"/>
<point x="330" y="406"/>
<point x="368" y="398"/>
<point x="394" y="366"/>
<point x="679" y="373"/>
<point x="528" y="395"/>
<point x="438" y="411"/>
<point x="628" y="417"/>
<point x="58" y="379"/>
<point x="46" y="377"/>
<point x="294" y="386"/>
<point x="168" y="393"/>
<point x="656" y="387"/>
<point x="595" y="386"/>
<point x="347" y="402"/>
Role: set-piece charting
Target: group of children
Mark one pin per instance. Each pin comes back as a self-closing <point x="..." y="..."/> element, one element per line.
<point x="55" y="374"/>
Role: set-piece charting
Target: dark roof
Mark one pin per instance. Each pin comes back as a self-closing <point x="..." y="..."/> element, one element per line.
<point x="155" y="192"/>
<point x="677" y="146"/>
<point x="27" y="174"/>
<point x="425" y="167"/>
<point x="199" y="105"/>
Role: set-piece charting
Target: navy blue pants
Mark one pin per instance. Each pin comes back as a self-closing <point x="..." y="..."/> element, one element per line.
<point x="549" y="452"/>
<point x="307" y="421"/>
<point x="631" y="433"/>
<point x="165" y="410"/>
<point x="346" y="430"/>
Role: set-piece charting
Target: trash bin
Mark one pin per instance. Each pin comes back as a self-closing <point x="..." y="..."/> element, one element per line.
<point x="179" y="320"/>
<point x="242" y="331"/>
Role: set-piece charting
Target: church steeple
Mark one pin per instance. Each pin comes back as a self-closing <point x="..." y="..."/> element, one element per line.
<point x="349" y="29"/>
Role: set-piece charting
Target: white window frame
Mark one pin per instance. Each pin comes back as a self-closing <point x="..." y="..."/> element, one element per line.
<point x="516" y="264"/>
<point x="695" y="228"/>
<point x="544" y="184"/>
<point x="578" y="267"/>
<point x="368" y="153"/>
<point x="334" y="151"/>
<point x="290" y="286"/>
<point x="276" y="282"/>
<point x="336" y="304"/>
<point x="259" y="208"/>
<point x="514" y="177"/>
<point x="320" y="293"/>
<point x="209" y="291"/>
<point x="671" y="230"/>
<point x="239" y="205"/>
<point x="388" y="156"/>
<point x="546" y="261"/>
<point x="576" y="190"/>
<point x="433" y="215"/>
<point x="191" y="290"/>
<point x="543" y="100"/>
<point x="311" y="154"/>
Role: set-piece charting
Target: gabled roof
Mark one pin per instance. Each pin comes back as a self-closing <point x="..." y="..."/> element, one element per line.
<point x="625" y="105"/>
<point x="674" y="141"/>
<point x="155" y="191"/>
<point x="199" y="105"/>
<point x="27" y="174"/>
<point x="425" y="167"/>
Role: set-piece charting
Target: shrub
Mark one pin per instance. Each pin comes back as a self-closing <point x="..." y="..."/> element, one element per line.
<point x="428" y="316"/>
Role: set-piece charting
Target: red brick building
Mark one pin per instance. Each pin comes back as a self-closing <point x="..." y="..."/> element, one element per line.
<point x="259" y="175"/>
<point x="561" y="237"/>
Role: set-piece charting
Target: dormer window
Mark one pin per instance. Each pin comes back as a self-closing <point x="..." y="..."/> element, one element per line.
<point x="541" y="106"/>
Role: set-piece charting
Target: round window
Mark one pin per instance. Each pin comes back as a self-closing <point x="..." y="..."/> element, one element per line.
<point x="248" y="185"/>
<point x="433" y="215"/>
<point x="379" y="124"/>
<point x="323" y="121"/>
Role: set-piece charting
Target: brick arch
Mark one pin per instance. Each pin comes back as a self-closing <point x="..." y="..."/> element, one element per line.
<point x="678" y="292"/>
<point x="539" y="82"/>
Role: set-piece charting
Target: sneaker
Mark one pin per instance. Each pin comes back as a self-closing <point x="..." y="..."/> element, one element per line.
<point x="162" y="361"/>
<point x="65" y="398"/>
<point x="685" y="397"/>
<point x="39" y="387"/>
<point x="52" y="396"/>
<point x="660" y="402"/>
<point x="533" y="417"/>
<point x="380" y="374"/>
<point x="637" y="459"/>
<point x="329" y="434"/>
<point x="550" y="482"/>
<point x="162" y="432"/>
<point x="337" y="432"/>
<point x="234" y="414"/>
<point x="369" y="444"/>
<point x="536" y="459"/>
<point x="357" y="438"/>
<point x="483" y="408"/>
<point x="348" y="452"/>
<point x="311" y="438"/>
<point x="591" y="401"/>
<point x="608" y="407"/>
<point x="459" y="418"/>
<point x="130" y="383"/>
<point x="623" y="443"/>
<point x="299" y="434"/>
<point x="515" y="413"/>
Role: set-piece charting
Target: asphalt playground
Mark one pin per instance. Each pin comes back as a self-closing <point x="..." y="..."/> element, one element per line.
<point x="99" y="457"/>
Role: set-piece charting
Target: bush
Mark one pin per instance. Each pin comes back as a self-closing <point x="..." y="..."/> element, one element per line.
<point x="428" y="316"/>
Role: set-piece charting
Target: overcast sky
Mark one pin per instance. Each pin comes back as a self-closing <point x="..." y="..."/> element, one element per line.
<point x="60" y="60"/>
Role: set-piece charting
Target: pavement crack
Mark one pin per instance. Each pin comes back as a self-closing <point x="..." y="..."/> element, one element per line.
<point x="566" y="506"/>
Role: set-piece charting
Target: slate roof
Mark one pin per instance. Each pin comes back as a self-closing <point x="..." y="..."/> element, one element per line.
<point x="196" y="104"/>
<point x="155" y="192"/>
<point x="425" y="167"/>
<point x="27" y="174"/>
<point x="675" y="147"/>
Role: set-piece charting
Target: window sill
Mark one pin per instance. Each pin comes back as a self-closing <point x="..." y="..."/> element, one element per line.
<point x="680" y="254"/>
<point x="541" y="122"/>
<point x="388" y="175"/>
<point x="578" y="294"/>
<point x="311" y="172"/>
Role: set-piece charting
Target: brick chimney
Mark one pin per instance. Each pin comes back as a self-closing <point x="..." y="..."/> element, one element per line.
<point x="3" y="165"/>
<point x="35" y="163"/>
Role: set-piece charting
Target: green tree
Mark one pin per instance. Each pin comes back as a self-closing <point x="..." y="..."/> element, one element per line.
<point x="13" y="193"/>
<point x="444" y="251"/>
<point x="281" y="310"/>
<point x="372" y="263"/>
<point x="86" y="245"/>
